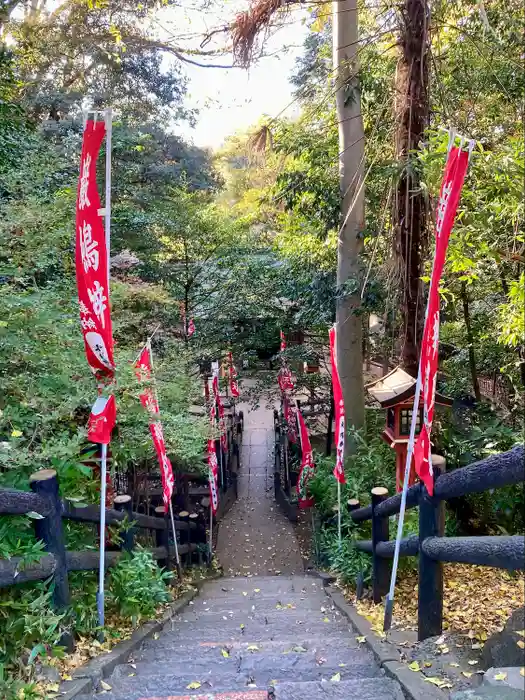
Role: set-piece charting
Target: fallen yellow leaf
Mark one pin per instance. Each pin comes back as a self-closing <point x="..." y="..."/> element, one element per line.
<point x="336" y="678"/>
<point x="193" y="686"/>
<point x="104" y="685"/>
<point x="414" y="666"/>
<point x="472" y="662"/>
<point x="225" y="653"/>
<point x="360" y="640"/>
<point x="467" y="674"/>
<point x="427" y="664"/>
<point x="257" y="590"/>
<point x="521" y="633"/>
<point x="326" y="619"/>
<point x="454" y="664"/>
<point x="521" y="643"/>
<point x="500" y="677"/>
<point x="252" y="647"/>
<point x="522" y="671"/>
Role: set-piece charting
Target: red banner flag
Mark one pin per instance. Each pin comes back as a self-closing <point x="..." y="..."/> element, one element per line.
<point x="220" y="408"/>
<point x="450" y="193"/>
<point x="307" y="464"/>
<point x="234" y="386"/>
<point x="213" y="476"/>
<point x="92" y="260"/>
<point x="339" y="406"/>
<point x="148" y="398"/>
<point x="283" y="341"/>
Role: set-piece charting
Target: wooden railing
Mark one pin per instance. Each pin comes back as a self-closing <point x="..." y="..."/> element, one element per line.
<point x="430" y="546"/>
<point x="48" y="511"/>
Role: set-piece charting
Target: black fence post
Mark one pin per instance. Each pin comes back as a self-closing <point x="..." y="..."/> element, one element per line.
<point x="430" y="587"/>
<point x="380" y="566"/>
<point x="162" y="537"/>
<point x="123" y="505"/>
<point x="50" y="531"/>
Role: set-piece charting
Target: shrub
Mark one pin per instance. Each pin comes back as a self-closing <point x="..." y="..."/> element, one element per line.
<point x="138" y="586"/>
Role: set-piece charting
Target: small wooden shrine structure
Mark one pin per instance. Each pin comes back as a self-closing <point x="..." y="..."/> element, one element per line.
<point x="395" y="392"/>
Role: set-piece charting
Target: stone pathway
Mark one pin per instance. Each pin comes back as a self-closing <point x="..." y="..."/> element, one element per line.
<point x="254" y="538"/>
<point x="260" y="638"/>
<point x="252" y="636"/>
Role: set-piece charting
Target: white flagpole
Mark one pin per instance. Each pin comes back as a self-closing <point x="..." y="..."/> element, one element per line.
<point x="101" y="566"/>
<point x="389" y="601"/>
<point x="177" y="558"/>
<point x="211" y="524"/>
<point x="108" y="116"/>
<point x="339" y="512"/>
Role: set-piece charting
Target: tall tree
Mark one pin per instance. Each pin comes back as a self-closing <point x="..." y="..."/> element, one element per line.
<point x="410" y="208"/>
<point x="351" y="160"/>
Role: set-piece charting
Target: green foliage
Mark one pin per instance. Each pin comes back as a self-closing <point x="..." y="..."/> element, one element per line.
<point x="138" y="586"/>
<point x="28" y="626"/>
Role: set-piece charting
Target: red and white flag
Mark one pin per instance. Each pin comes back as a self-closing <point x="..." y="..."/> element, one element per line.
<point x="449" y="195"/>
<point x="92" y="272"/>
<point x="213" y="476"/>
<point x="234" y="386"/>
<point x="307" y="464"/>
<point x="91" y="259"/>
<point x="339" y="406"/>
<point x="148" y="398"/>
<point x="220" y="408"/>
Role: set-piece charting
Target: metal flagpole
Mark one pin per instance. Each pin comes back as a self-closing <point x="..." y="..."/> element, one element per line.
<point x="177" y="558"/>
<point x="211" y="524"/>
<point x="389" y="602"/>
<point x="339" y="512"/>
<point x="108" y="117"/>
<point x="101" y="566"/>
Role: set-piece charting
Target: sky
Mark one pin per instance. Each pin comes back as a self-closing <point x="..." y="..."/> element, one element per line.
<point x="231" y="100"/>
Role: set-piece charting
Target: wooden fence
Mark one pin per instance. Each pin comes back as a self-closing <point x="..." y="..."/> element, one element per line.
<point x="48" y="511"/>
<point x="430" y="546"/>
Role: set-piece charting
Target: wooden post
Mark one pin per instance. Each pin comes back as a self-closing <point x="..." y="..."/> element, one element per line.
<point x="123" y="504"/>
<point x="162" y="537"/>
<point x="380" y="566"/>
<point x="50" y="531"/>
<point x="430" y="587"/>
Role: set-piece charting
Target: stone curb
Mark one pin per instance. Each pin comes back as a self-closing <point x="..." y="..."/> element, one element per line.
<point x="87" y="677"/>
<point x="412" y="684"/>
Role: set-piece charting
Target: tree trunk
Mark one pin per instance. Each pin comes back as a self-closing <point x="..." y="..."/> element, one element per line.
<point x="410" y="209"/>
<point x="470" y="341"/>
<point x="351" y="173"/>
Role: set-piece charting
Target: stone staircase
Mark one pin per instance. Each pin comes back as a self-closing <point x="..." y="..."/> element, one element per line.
<point x="254" y="638"/>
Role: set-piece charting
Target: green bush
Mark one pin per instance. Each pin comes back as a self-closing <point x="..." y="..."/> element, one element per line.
<point x="138" y="586"/>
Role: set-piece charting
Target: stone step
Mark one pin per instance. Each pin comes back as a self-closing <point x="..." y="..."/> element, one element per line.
<point x="164" y="687"/>
<point x="253" y="631"/>
<point x="363" y="689"/>
<point x="279" y="617"/>
<point x="178" y="678"/>
<point x="253" y="600"/>
<point x="259" y="666"/>
<point x="269" y="586"/>
<point x="324" y="647"/>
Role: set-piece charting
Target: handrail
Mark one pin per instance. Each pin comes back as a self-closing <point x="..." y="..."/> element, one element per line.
<point x="496" y="471"/>
<point x="430" y="546"/>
